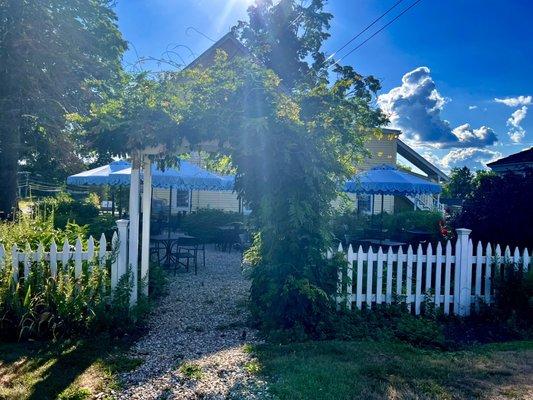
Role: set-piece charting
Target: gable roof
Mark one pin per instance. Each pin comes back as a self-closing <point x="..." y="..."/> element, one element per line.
<point x="523" y="157"/>
<point x="228" y="43"/>
<point x="420" y="162"/>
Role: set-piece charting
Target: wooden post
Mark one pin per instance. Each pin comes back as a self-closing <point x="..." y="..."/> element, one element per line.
<point x="147" y="212"/>
<point x="463" y="264"/>
<point x="134" y="224"/>
<point x="122" y="256"/>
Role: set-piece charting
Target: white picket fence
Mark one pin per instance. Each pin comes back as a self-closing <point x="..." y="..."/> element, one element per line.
<point x="451" y="278"/>
<point x="63" y="257"/>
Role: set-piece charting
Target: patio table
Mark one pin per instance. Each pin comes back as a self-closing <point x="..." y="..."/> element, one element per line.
<point x="165" y="244"/>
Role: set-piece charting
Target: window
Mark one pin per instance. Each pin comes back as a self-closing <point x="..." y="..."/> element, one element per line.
<point x="364" y="203"/>
<point x="182" y="199"/>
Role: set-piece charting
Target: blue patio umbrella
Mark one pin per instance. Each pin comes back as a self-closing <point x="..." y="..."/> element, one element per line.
<point x="187" y="176"/>
<point x="389" y="180"/>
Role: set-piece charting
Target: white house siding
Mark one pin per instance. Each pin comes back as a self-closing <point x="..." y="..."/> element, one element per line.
<point x="226" y="200"/>
<point x="383" y="148"/>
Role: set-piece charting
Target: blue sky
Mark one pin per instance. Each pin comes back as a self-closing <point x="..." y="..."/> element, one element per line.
<point x="455" y="57"/>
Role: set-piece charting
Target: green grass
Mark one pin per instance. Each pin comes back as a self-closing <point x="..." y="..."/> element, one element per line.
<point x="375" y="370"/>
<point x="69" y="370"/>
<point x="192" y="371"/>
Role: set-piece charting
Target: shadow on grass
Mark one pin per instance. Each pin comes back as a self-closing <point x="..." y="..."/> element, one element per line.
<point x="68" y="370"/>
<point x="376" y="370"/>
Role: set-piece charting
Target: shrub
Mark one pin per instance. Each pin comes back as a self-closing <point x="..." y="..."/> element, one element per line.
<point x="64" y="209"/>
<point x="203" y="223"/>
<point x="38" y="229"/>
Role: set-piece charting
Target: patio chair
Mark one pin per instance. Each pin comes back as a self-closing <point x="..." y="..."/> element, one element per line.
<point x="186" y="249"/>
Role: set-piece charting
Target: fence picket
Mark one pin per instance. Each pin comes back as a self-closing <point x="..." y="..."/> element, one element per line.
<point x="77" y="259"/>
<point x="389" y="276"/>
<point x="497" y="260"/>
<point x="409" y="277"/>
<point x="65" y="256"/>
<point x="15" y="263"/>
<point x="359" y="286"/>
<point x="438" y="274"/>
<point x="2" y="256"/>
<point x="114" y="264"/>
<point x="102" y="247"/>
<point x="379" y="277"/>
<point x="488" y="273"/>
<point x="447" y="277"/>
<point x="429" y="269"/>
<point x="399" y="272"/>
<point x="516" y="256"/>
<point x="456" y="275"/>
<point x="525" y="260"/>
<point x="369" y="276"/>
<point x="90" y="249"/>
<point x="418" y="283"/>
<point x="27" y="260"/>
<point x="53" y="259"/>
<point x="40" y="252"/>
<point x="479" y="267"/>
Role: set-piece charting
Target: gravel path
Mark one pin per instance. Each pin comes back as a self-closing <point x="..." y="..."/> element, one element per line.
<point x="197" y="339"/>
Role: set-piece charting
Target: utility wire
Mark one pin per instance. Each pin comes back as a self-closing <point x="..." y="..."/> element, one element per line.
<point x="364" y="30"/>
<point x="377" y="32"/>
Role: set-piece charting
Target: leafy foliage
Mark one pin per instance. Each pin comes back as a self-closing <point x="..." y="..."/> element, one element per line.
<point x="499" y="210"/>
<point x="52" y="52"/>
<point x="203" y="223"/>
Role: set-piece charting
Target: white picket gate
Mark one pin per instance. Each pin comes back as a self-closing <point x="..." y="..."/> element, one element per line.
<point x="22" y="259"/>
<point x="452" y="278"/>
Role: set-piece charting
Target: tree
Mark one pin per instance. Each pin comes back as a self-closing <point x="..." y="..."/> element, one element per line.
<point x="499" y="210"/>
<point x="460" y="185"/>
<point x="51" y="51"/>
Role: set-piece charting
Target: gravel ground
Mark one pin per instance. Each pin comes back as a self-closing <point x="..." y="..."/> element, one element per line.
<point x="197" y="339"/>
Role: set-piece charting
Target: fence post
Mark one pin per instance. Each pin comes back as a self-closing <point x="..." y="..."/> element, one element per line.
<point x="122" y="256"/>
<point x="463" y="265"/>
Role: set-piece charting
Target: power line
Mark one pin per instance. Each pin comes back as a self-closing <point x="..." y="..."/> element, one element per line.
<point x="378" y="31"/>
<point x="364" y="30"/>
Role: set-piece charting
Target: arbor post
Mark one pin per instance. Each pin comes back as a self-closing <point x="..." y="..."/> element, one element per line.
<point x="134" y="224"/>
<point x="122" y="256"/>
<point x="464" y="265"/>
<point x="146" y="211"/>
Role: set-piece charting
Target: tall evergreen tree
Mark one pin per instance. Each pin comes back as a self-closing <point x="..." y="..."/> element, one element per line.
<point x="50" y="52"/>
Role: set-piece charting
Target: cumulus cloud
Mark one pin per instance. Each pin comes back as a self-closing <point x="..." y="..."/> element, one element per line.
<point x="515" y="101"/>
<point x="473" y="158"/>
<point x="415" y="107"/>
<point x="472" y="107"/>
<point x="516" y="131"/>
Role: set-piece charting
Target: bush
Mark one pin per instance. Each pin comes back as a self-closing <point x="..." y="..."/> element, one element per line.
<point x="203" y="223"/>
<point x="38" y="229"/>
<point x="64" y="209"/>
<point x="419" y="220"/>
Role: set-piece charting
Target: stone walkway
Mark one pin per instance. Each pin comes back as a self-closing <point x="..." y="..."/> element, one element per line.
<point x="196" y="346"/>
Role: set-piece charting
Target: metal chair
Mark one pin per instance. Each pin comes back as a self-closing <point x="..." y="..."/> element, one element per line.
<point x="186" y="249"/>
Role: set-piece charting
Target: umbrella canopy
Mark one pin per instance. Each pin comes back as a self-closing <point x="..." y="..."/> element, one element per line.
<point x="188" y="177"/>
<point x="387" y="179"/>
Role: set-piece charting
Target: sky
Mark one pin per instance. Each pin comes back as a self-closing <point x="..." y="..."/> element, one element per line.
<point x="455" y="74"/>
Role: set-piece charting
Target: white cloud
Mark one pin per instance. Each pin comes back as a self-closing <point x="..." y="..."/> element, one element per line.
<point x="415" y="107"/>
<point x="472" y="107"/>
<point x="516" y="132"/>
<point x="473" y="158"/>
<point x="515" y="101"/>
<point x="517" y="117"/>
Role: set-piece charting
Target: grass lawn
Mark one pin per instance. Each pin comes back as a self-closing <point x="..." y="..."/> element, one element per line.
<point x="67" y="370"/>
<point x="388" y="370"/>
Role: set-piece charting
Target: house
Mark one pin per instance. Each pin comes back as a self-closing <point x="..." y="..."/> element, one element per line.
<point x="517" y="162"/>
<point x="385" y="148"/>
